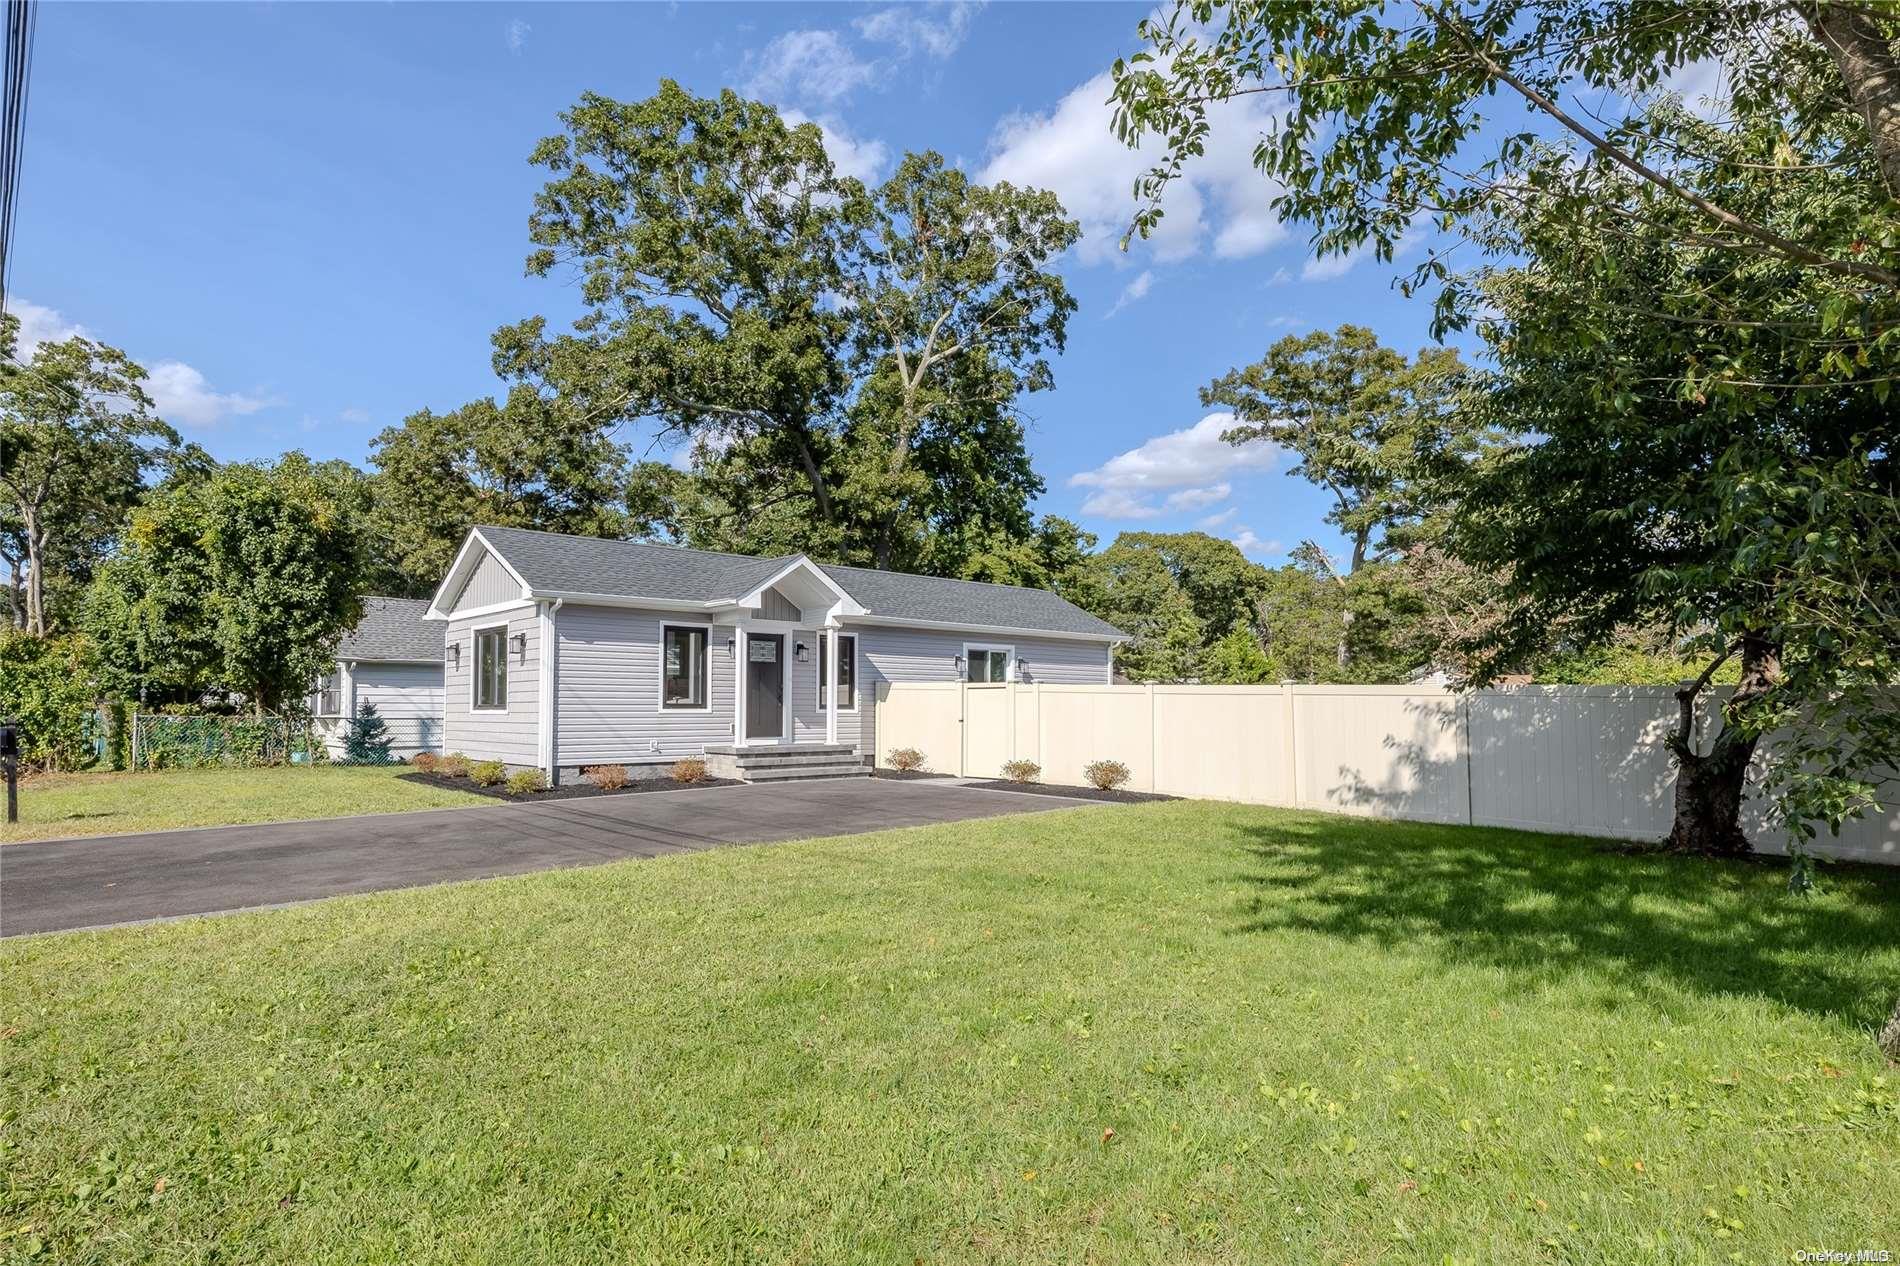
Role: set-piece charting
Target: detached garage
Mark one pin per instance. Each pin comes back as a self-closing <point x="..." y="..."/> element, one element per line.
<point x="393" y="659"/>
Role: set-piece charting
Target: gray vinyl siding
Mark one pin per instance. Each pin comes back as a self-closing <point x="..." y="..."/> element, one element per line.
<point x="487" y="585"/>
<point x="898" y="655"/>
<point x="511" y="735"/>
<point x="774" y="605"/>
<point x="410" y="698"/>
<point x="808" y="723"/>
<point x="607" y="703"/>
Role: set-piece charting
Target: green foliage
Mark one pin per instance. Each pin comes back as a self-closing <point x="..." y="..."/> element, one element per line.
<point x="529" y="462"/>
<point x="366" y="742"/>
<point x="1141" y="596"/>
<point x="1238" y="660"/>
<point x="188" y="741"/>
<point x="49" y="686"/>
<point x="1356" y="416"/>
<point x="1624" y="665"/>
<point x="77" y="438"/>
<point x="487" y="773"/>
<point x="241" y="581"/>
<point x="524" y="782"/>
<point x="842" y="362"/>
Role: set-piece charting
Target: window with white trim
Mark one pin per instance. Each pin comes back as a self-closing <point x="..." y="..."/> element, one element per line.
<point x="491" y="667"/>
<point x="330" y="695"/>
<point x="989" y="663"/>
<point x="847" y="671"/>
<point x="683" y="669"/>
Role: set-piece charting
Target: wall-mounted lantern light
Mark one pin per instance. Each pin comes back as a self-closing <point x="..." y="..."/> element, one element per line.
<point x="1022" y="670"/>
<point x="455" y="655"/>
<point x="959" y="668"/>
<point x="521" y="647"/>
<point x="801" y="652"/>
<point x="731" y="643"/>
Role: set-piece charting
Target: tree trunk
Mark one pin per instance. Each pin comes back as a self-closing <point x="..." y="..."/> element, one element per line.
<point x="35" y="570"/>
<point x="1708" y="817"/>
<point x="1852" y="37"/>
<point x="1890" y="1036"/>
<point x="16" y="601"/>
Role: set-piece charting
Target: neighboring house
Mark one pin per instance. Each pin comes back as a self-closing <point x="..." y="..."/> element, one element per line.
<point x="567" y="651"/>
<point x="393" y="659"/>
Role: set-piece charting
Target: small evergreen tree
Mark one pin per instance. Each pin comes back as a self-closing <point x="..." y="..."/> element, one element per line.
<point x="367" y="742"/>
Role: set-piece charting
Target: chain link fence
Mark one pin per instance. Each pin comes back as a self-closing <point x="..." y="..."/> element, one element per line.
<point x="161" y="741"/>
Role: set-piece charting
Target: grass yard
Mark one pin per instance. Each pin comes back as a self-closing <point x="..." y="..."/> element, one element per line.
<point x="1170" y="1033"/>
<point x="57" y="806"/>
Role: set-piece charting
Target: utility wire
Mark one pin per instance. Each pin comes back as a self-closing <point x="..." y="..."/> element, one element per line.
<point x="21" y="15"/>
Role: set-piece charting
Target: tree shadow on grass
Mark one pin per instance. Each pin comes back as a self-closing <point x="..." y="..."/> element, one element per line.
<point x="1546" y="907"/>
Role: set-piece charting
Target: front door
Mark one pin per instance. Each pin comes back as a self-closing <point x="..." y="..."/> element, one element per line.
<point x="765" y="685"/>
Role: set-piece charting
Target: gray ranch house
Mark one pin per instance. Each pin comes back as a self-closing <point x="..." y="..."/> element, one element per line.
<point x="393" y="659"/>
<point x="564" y="652"/>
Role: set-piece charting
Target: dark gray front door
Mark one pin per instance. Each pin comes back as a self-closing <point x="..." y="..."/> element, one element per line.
<point x="765" y="685"/>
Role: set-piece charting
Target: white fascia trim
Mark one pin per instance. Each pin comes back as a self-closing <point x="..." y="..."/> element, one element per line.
<point x="842" y="602"/>
<point x="493" y="608"/>
<point x="987" y="629"/>
<point x="621" y="600"/>
<point x="454" y="578"/>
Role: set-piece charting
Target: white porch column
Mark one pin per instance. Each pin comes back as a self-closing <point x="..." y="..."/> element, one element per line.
<point x="831" y="683"/>
<point x="346" y="670"/>
<point x="738" y="687"/>
<point x="547" y="717"/>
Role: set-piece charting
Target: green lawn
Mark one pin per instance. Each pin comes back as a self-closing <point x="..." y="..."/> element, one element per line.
<point x="1171" y="1033"/>
<point x="56" y="806"/>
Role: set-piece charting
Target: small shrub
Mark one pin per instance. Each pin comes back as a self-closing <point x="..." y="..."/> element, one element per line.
<point x="689" y="769"/>
<point x="425" y="762"/>
<point x="487" y="772"/>
<point x="367" y="740"/>
<point x="1105" y="775"/>
<point x="455" y="765"/>
<point x="906" y="758"/>
<point x="607" y="777"/>
<point x="524" y="781"/>
<point x="1022" y="771"/>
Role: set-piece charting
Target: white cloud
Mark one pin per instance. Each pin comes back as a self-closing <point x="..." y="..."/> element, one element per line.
<point x="1247" y="542"/>
<point x="1072" y="151"/>
<point x="354" y="416"/>
<point x="1329" y="267"/>
<point x="867" y="160"/>
<point x="1284" y="322"/>
<point x="1196" y="457"/>
<point x="807" y="66"/>
<point x="936" y="30"/>
<point x="1213" y="521"/>
<point x="517" y="33"/>
<point x="1134" y="292"/>
<point x="181" y="394"/>
<point x="1702" y="85"/>
<point x="1199" y="498"/>
<point x="1113" y="503"/>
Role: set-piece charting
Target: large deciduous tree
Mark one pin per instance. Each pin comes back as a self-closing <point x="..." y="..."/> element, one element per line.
<point x="527" y="462"/>
<point x="841" y="363"/>
<point x="1190" y="600"/>
<point x="77" y="437"/>
<point x="241" y="580"/>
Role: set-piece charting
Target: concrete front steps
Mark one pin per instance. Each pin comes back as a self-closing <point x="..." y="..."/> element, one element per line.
<point x="784" y="764"/>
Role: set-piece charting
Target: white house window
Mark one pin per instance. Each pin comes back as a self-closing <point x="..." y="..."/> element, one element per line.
<point x="988" y="663"/>
<point x="847" y="671"/>
<point x="491" y="667"/>
<point x="330" y="695"/>
<point x="683" y="676"/>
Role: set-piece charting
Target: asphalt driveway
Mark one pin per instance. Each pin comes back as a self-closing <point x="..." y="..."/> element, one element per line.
<point x="59" y="885"/>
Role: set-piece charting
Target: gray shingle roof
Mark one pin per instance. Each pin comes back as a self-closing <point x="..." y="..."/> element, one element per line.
<point x="897" y="595"/>
<point x="393" y="630"/>
<point x="554" y="563"/>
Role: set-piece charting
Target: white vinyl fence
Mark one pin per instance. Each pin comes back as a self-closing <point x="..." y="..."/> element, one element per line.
<point x="1583" y="759"/>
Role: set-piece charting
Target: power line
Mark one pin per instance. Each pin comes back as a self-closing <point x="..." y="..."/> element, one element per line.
<point x="21" y="16"/>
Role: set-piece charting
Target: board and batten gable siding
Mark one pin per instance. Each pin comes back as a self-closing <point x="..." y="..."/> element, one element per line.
<point x="488" y="585"/>
<point x="607" y="699"/>
<point x="776" y="606"/>
<point x="894" y="655"/>
<point x="511" y="735"/>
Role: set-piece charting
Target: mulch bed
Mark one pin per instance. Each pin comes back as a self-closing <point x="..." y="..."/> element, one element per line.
<point x="1072" y="793"/>
<point x="577" y="791"/>
<point x="905" y="775"/>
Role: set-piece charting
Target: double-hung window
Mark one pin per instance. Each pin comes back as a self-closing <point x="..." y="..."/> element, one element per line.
<point x="683" y="670"/>
<point x="330" y="695"/>
<point x="989" y="663"/>
<point x="847" y="672"/>
<point x="491" y="667"/>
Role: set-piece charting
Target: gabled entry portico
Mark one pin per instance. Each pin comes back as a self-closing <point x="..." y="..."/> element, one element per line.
<point x="771" y="665"/>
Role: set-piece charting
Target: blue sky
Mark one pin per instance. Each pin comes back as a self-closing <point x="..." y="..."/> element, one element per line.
<point x="306" y="220"/>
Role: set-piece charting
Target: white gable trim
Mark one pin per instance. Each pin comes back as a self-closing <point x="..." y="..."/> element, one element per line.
<point x="460" y="570"/>
<point x="948" y="626"/>
<point x="842" y="603"/>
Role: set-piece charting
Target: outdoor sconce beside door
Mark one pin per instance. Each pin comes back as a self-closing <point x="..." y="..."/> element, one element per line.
<point x="801" y="652"/>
